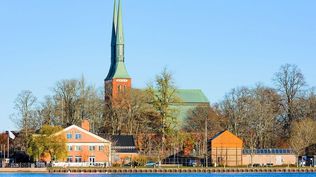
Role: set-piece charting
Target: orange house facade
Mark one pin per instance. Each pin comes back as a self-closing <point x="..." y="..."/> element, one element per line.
<point x="226" y="149"/>
<point x="85" y="148"/>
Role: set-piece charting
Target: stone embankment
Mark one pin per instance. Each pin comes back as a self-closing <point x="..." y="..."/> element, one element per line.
<point x="24" y="170"/>
<point x="182" y="170"/>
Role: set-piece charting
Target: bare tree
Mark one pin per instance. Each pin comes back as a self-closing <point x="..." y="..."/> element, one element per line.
<point x="252" y="115"/>
<point x="264" y="113"/>
<point x="47" y="111"/>
<point x="25" y="116"/>
<point x="290" y="83"/>
<point x="309" y="104"/>
<point x="74" y="100"/>
<point x="67" y="97"/>
<point x="235" y="108"/>
<point x="195" y="123"/>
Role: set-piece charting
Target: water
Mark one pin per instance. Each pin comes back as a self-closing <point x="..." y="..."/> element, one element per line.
<point x="163" y="175"/>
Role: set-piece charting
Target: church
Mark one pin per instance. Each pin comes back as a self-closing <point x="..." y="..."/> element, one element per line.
<point x="118" y="80"/>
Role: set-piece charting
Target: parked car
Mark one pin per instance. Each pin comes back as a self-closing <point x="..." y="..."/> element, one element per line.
<point x="256" y="165"/>
<point x="269" y="165"/>
<point x="151" y="164"/>
<point x="192" y="163"/>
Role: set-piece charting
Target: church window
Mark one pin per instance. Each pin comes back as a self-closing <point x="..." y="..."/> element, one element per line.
<point x="119" y="89"/>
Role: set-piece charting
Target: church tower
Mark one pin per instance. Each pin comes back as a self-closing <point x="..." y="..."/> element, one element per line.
<point x="118" y="80"/>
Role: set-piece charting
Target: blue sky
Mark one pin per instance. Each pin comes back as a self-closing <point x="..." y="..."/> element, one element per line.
<point x="214" y="45"/>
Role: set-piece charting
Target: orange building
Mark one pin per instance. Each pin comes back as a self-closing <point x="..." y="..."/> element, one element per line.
<point x="85" y="148"/>
<point x="225" y="149"/>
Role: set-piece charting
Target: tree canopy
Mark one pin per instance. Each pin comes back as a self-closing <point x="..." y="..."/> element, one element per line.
<point x="47" y="145"/>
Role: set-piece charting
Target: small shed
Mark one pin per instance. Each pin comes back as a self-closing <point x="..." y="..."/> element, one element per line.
<point x="225" y="149"/>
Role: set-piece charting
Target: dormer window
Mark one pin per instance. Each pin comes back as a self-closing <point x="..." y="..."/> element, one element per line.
<point x="78" y="136"/>
<point x="69" y="136"/>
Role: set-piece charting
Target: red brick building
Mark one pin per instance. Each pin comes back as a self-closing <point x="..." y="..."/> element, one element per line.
<point x="85" y="148"/>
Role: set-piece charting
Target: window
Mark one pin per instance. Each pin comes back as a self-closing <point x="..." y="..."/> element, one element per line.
<point x="69" y="159"/>
<point x="124" y="89"/>
<point x="78" y="148"/>
<point x="101" y="148"/>
<point x="119" y="88"/>
<point x="92" y="160"/>
<point x="78" y="159"/>
<point x="69" y="135"/>
<point x="91" y="148"/>
<point x="78" y="136"/>
<point x="69" y="148"/>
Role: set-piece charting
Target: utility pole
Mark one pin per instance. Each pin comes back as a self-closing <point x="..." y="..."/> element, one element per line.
<point x="206" y="144"/>
<point x="3" y="151"/>
<point x="8" y="145"/>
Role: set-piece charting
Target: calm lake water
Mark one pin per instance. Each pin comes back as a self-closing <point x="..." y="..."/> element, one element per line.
<point x="164" y="175"/>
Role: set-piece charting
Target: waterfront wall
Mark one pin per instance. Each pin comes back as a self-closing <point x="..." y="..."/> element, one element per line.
<point x="183" y="170"/>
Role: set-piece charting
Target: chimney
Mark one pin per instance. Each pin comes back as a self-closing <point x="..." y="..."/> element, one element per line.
<point x="85" y="124"/>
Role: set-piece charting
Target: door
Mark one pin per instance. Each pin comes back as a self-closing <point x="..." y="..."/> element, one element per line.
<point x="92" y="161"/>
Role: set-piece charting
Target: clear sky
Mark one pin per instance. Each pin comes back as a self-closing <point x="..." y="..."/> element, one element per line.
<point x="213" y="45"/>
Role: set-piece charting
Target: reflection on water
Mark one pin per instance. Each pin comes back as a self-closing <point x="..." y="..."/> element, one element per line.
<point x="163" y="175"/>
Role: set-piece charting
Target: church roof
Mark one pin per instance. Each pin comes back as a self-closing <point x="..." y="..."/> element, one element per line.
<point x="121" y="71"/>
<point x="189" y="100"/>
<point x="192" y="96"/>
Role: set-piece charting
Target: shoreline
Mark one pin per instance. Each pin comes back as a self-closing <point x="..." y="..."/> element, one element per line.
<point x="181" y="170"/>
<point x="155" y="170"/>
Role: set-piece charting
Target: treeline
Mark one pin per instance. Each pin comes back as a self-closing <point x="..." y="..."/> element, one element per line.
<point x="264" y="117"/>
<point x="268" y="117"/>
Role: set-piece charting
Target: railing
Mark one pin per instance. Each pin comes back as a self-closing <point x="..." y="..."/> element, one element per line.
<point x="24" y="165"/>
<point x="80" y="164"/>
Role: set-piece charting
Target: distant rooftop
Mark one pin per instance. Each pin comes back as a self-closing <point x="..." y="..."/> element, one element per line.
<point x="267" y="151"/>
<point x="123" y="144"/>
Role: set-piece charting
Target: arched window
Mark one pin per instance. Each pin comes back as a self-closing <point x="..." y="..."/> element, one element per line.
<point x="119" y="88"/>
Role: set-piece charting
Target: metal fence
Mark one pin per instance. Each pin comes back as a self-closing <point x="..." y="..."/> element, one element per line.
<point x="25" y="165"/>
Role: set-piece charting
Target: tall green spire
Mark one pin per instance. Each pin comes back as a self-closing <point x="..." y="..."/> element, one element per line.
<point x="113" y="44"/>
<point x="113" y="41"/>
<point x="120" y="34"/>
<point x="120" y="70"/>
